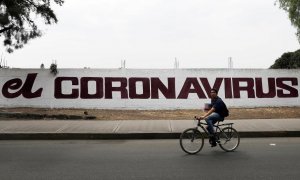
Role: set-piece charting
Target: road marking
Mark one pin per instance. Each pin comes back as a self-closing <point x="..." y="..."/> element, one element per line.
<point x="272" y="144"/>
<point x="60" y="130"/>
<point x="170" y="126"/>
<point x="118" y="126"/>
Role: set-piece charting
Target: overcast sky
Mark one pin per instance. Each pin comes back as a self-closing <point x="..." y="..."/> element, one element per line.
<point x="152" y="33"/>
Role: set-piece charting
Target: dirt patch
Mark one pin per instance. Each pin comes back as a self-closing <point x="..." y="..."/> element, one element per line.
<point x="100" y="114"/>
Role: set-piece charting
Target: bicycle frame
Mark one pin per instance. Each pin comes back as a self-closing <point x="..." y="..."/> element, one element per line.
<point x="227" y="137"/>
<point x="217" y="126"/>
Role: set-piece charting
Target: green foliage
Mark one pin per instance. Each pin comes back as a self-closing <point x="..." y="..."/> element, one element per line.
<point x="292" y="7"/>
<point x="53" y="69"/>
<point x="289" y="60"/>
<point x="16" y="20"/>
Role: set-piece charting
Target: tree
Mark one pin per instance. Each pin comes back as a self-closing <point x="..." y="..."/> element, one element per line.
<point x="16" y="20"/>
<point x="289" y="60"/>
<point x="293" y="9"/>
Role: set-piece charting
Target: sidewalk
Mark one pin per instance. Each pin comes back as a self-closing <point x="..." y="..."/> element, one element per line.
<point x="135" y="129"/>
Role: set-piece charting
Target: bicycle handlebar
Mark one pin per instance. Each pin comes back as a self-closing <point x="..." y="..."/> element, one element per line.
<point x="197" y="118"/>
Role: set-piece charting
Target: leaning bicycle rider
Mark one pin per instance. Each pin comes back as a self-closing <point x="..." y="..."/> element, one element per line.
<point x="217" y="112"/>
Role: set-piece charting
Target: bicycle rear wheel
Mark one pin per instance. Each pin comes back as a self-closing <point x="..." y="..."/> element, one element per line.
<point x="229" y="139"/>
<point x="191" y="141"/>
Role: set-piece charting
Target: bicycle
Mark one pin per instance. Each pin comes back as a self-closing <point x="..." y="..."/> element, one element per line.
<point x="192" y="139"/>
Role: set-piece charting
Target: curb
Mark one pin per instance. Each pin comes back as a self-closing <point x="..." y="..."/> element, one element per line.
<point x="86" y="136"/>
<point x="128" y="136"/>
<point x="270" y="134"/>
<point x="44" y="116"/>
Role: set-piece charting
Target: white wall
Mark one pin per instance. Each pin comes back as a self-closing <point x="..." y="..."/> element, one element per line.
<point x="286" y="88"/>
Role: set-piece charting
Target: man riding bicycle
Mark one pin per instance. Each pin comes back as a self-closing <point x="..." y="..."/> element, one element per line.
<point x="217" y="112"/>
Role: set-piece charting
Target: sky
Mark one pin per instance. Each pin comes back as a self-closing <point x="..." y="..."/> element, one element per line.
<point x="153" y="33"/>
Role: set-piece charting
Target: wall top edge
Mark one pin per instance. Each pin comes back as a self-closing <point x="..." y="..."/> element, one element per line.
<point x="124" y="69"/>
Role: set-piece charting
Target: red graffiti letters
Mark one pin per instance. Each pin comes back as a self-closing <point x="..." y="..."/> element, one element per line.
<point x="25" y="90"/>
<point x="150" y="87"/>
<point x="155" y="88"/>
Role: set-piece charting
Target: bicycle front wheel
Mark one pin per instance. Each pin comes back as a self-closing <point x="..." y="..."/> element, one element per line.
<point x="229" y="139"/>
<point x="191" y="141"/>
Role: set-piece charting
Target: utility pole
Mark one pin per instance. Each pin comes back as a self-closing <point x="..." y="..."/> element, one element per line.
<point x="176" y="64"/>
<point x="123" y="64"/>
<point x="230" y="63"/>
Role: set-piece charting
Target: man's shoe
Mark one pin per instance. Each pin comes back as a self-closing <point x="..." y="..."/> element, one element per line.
<point x="213" y="144"/>
<point x="211" y="140"/>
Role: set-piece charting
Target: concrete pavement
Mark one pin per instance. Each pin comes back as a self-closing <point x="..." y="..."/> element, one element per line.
<point x="135" y="129"/>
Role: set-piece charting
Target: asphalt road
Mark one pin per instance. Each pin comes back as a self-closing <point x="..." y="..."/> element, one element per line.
<point x="256" y="158"/>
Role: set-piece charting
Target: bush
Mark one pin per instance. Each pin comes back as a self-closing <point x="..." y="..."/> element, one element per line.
<point x="53" y="68"/>
<point x="289" y="60"/>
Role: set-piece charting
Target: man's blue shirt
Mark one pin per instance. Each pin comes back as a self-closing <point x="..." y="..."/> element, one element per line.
<point x="220" y="106"/>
